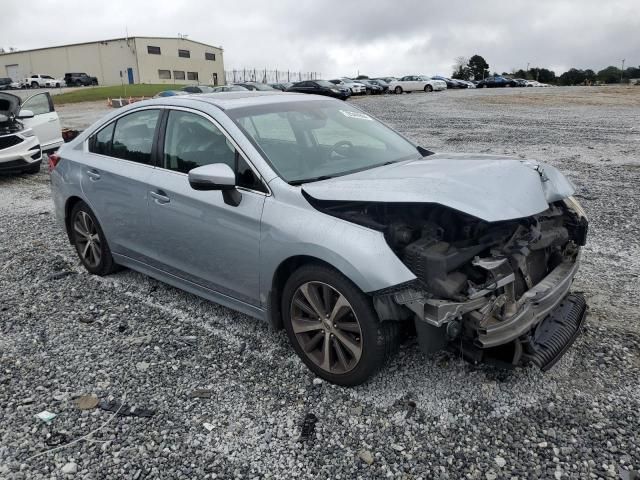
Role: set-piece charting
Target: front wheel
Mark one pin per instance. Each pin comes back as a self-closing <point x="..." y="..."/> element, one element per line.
<point x="90" y="242"/>
<point x="428" y="88"/>
<point x="333" y="327"/>
<point x="398" y="90"/>
<point x="34" y="85"/>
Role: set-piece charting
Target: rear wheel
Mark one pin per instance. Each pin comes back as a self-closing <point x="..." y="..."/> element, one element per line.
<point x="34" y="85"/>
<point x="332" y="326"/>
<point x="90" y="242"/>
<point x="398" y="90"/>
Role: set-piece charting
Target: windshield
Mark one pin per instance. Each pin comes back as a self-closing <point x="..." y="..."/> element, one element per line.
<point x="313" y="140"/>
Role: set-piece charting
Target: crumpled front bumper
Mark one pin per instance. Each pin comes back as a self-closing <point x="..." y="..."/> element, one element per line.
<point x="545" y="322"/>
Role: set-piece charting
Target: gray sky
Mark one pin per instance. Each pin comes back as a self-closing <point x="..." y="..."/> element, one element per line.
<point x="344" y="37"/>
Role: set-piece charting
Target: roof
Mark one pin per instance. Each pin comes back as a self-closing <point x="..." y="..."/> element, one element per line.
<point x="232" y="100"/>
<point x="108" y="40"/>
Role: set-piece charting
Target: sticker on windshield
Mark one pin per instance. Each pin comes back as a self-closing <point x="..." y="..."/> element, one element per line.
<point x="358" y="115"/>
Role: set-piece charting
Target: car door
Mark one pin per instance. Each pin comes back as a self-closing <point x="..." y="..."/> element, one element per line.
<point x="412" y="84"/>
<point x="45" y="122"/>
<point x="197" y="235"/>
<point x="115" y="175"/>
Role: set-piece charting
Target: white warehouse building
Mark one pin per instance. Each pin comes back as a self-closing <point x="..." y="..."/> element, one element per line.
<point x="122" y="60"/>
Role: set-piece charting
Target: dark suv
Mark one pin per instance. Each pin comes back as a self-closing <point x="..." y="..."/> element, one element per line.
<point x="497" y="81"/>
<point x="79" y="79"/>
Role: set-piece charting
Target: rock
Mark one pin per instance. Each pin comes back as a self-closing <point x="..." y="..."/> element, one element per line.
<point x="396" y="447"/>
<point x="70" y="468"/>
<point x="366" y="456"/>
<point x="501" y="462"/>
<point x="142" y="366"/>
<point x="490" y="475"/>
<point x="317" y="381"/>
<point x="542" y="445"/>
<point x="87" y="402"/>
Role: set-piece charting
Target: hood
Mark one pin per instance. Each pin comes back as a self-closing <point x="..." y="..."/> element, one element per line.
<point x="9" y="105"/>
<point x="489" y="187"/>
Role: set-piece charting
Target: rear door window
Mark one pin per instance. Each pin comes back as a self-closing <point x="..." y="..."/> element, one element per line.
<point x="101" y="142"/>
<point x="133" y="136"/>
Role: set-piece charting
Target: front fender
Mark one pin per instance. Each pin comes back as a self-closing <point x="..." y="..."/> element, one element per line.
<point x="359" y="253"/>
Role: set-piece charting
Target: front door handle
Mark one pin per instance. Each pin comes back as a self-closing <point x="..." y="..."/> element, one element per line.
<point x="160" y="197"/>
<point x="93" y="175"/>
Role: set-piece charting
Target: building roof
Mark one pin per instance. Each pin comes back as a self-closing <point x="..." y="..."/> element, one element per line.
<point x="108" y="40"/>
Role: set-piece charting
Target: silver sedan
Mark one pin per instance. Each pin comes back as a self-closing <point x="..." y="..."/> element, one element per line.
<point x="312" y="215"/>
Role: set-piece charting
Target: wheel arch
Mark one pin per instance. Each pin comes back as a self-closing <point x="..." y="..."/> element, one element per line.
<point x="280" y="277"/>
<point x="68" y="207"/>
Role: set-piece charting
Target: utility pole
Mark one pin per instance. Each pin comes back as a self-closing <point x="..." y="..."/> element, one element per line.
<point x="622" y="71"/>
<point x="526" y="72"/>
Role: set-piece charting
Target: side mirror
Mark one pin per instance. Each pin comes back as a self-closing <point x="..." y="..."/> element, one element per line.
<point x="25" y="114"/>
<point x="217" y="176"/>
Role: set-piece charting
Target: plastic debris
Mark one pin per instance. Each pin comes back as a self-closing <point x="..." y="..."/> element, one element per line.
<point x="201" y="393"/>
<point x="56" y="439"/>
<point x="125" y="410"/>
<point x="46" y="416"/>
<point x="308" y="427"/>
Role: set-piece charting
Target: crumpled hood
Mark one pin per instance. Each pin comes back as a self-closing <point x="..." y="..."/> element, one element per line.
<point x="490" y="187"/>
<point x="9" y="105"/>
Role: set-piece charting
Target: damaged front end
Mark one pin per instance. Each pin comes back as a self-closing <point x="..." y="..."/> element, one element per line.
<point x="498" y="289"/>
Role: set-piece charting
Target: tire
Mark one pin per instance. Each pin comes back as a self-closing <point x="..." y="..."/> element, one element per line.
<point x="81" y="215"/>
<point x="78" y="83"/>
<point x="34" y="85"/>
<point x="397" y="90"/>
<point x="428" y="88"/>
<point x="357" y="344"/>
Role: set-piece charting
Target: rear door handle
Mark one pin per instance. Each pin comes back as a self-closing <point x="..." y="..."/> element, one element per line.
<point x="160" y="197"/>
<point x="93" y="175"/>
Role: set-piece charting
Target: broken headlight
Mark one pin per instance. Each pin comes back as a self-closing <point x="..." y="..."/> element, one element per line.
<point x="573" y="204"/>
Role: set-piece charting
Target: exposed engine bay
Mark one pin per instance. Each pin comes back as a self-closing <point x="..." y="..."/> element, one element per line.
<point x="474" y="278"/>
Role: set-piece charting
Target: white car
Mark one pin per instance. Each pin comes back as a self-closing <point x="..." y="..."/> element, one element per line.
<point x="37" y="80"/>
<point x="355" y="87"/>
<point x="55" y="83"/>
<point x="27" y="129"/>
<point x="416" y="83"/>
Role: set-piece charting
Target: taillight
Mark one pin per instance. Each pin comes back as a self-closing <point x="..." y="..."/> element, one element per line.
<point x="54" y="158"/>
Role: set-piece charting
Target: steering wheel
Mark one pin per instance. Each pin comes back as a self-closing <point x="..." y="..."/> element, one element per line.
<point x="343" y="145"/>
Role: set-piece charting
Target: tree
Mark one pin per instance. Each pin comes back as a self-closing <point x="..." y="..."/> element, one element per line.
<point x="362" y="77"/>
<point x="610" y="74"/>
<point x="479" y="67"/>
<point x="632" y="72"/>
<point x="543" y="75"/>
<point x="520" y="74"/>
<point x="573" y="76"/>
<point x="589" y="75"/>
<point x="461" y="69"/>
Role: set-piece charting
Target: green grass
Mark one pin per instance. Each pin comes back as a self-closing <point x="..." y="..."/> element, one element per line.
<point x="91" y="94"/>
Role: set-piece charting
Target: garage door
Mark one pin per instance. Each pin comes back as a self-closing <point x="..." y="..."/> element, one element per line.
<point x="12" y="72"/>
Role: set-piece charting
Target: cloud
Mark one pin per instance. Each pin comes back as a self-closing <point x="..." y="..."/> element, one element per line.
<point x="343" y="38"/>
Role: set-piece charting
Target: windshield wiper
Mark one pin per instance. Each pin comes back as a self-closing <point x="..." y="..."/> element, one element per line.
<point x="312" y="179"/>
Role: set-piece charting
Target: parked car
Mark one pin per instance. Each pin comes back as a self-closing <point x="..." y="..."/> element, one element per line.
<point x="56" y="83"/>
<point x="37" y="81"/>
<point x="79" y="79"/>
<point x="170" y="93"/>
<point x="356" y="88"/>
<point x="254" y="86"/>
<point x="229" y="88"/>
<point x="380" y="83"/>
<point x="27" y="129"/>
<point x="496" y="82"/>
<point x="372" y="88"/>
<point x="329" y="224"/>
<point x="281" y="86"/>
<point x="468" y="83"/>
<point x="451" y="83"/>
<point x="198" y="89"/>
<point x="5" y="83"/>
<point x="320" y="87"/>
<point x="416" y="83"/>
<point x="387" y="80"/>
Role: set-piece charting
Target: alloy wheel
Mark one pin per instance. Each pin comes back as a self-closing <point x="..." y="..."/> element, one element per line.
<point x="326" y="327"/>
<point x="87" y="239"/>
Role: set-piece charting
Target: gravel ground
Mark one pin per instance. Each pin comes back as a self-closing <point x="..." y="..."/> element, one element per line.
<point x="66" y="334"/>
